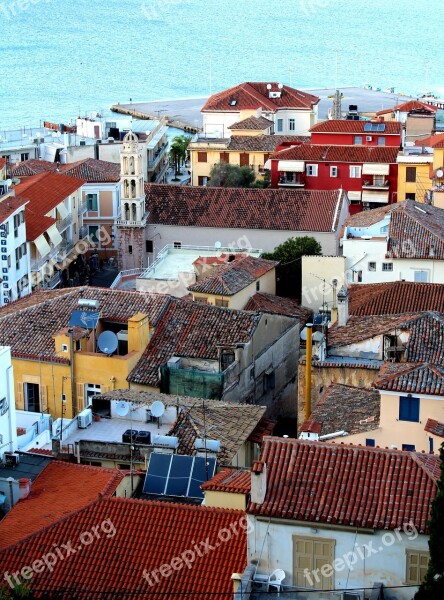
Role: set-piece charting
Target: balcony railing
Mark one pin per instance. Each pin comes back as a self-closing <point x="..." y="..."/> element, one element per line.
<point x="64" y="223"/>
<point x="37" y="264"/>
<point x="64" y="250"/>
<point x="151" y="164"/>
<point x="82" y="208"/>
<point x="375" y="185"/>
<point x="129" y="223"/>
<point x="83" y="232"/>
<point x="287" y="182"/>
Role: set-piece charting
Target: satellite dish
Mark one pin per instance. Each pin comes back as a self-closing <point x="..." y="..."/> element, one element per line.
<point x="439" y="173"/>
<point x="218" y="245"/>
<point x="157" y="408"/>
<point x="9" y="182"/>
<point x="107" y="342"/>
<point x="122" y="408"/>
<point x="280" y="86"/>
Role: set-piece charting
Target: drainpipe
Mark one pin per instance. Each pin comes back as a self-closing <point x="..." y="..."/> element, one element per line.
<point x="73" y="393"/>
<point x="308" y="354"/>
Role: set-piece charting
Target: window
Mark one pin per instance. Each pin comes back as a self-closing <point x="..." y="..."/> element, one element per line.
<point x="24" y="156"/>
<point x="291" y="125"/>
<point x="202" y="180"/>
<point x="421" y="276"/>
<point x="312" y="554"/>
<point x="224" y="157"/>
<point x="280" y="125"/>
<point x="417" y="562"/>
<point x="409" y="409"/>
<point x="372" y="266"/>
<point x="370" y="442"/>
<point x="358" y="140"/>
<point x="269" y="380"/>
<point x="92" y="202"/>
<point x="410" y="174"/>
<point x="333" y="171"/>
<point x="202" y="157"/>
<point x="64" y="348"/>
<point x="201" y="299"/>
<point x="149" y="246"/>
<point x="431" y="445"/>
<point x="32" y="399"/>
<point x="387" y="266"/>
<point x="92" y="233"/>
<point x="4" y="406"/>
<point x="220" y="302"/>
<point x="408" y="447"/>
<point x="177" y="244"/>
<point x="244" y="159"/>
<point x="130" y="249"/>
<point x="410" y="196"/>
<point x="312" y="170"/>
<point x="381" y="141"/>
<point x="355" y="172"/>
<point x="258" y="286"/>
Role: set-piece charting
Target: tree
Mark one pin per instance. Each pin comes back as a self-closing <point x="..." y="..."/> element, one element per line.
<point x="179" y="152"/>
<point x="432" y="587"/>
<point x="21" y="590"/>
<point x="289" y="272"/>
<point x="226" y="175"/>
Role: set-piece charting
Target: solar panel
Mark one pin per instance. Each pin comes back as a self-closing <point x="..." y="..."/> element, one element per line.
<point x="368" y="127"/>
<point x="179" y="476"/>
<point x="84" y="318"/>
<point x="157" y="474"/>
<point x="203" y="470"/>
<point x="381" y="127"/>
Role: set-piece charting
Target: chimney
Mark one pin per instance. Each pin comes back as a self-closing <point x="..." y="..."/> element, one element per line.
<point x="138" y="333"/>
<point x="342" y="307"/>
<point x="258" y="482"/>
<point x="308" y="355"/>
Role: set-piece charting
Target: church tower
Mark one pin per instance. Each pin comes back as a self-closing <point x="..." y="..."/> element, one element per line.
<point x="132" y="220"/>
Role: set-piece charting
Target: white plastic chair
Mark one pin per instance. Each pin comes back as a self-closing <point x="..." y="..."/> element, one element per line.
<point x="276" y="579"/>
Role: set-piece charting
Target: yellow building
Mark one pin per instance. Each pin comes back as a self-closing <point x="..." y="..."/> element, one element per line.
<point x="414" y="176"/>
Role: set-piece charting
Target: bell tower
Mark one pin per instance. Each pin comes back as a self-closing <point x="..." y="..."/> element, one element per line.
<point x="132" y="219"/>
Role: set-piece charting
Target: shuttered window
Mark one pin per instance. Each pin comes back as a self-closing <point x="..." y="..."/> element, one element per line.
<point x="417" y="562"/>
<point x="309" y="556"/>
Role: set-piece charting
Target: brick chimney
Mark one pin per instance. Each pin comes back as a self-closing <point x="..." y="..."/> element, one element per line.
<point x="258" y="482"/>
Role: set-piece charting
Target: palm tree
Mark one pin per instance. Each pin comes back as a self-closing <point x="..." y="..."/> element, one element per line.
<point x="179" y="152"/>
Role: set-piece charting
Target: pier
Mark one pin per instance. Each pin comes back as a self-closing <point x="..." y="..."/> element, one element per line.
<point x="149" y="116"/>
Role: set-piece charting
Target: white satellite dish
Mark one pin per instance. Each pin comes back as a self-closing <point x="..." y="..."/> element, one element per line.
<point x="9" y="182"/>
<point x="218" y="245"/>
<point x="268" y="86"/>
<point x="439" y="173"/>
<point x="157" y="408"/>
<point x="122" y="408"/>
<point x="280" y="86"/>
<point x="107" y="342"/>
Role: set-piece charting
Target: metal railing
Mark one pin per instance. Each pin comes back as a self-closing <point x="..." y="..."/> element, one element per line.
<point x="64" y="250"/>
<point x="82" y="208"/>
<point x="36" y="265"/>
<point x="123" y="274"/>
<point x="64" y="223"/>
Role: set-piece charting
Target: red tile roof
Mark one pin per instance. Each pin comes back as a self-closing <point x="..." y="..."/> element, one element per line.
<point x="233" y="277"/>
<point x="263" y="143"/>
<point x="8" y="206"/>
<point x="47" y="190"/>
<point x="367" y="218"/>
<point x="93" y="171"/>
<point x="59" y="490"/>
<point x="338" y="154"/>
<point x="242" y="208"/>
<point x="411" y="105"/>
<point x="433" y="141"/>
<point x="254" y="95"/>
<point x="394" y="298"/>
<point x="30" y="167"/>
<point x="435" y="427"/>
<point x="277" y="305"/>
<point x="422" y="379"/>
<point x="345" y="485"/>
<point x="229" y="480"/>
<point x="263" y="428"/>
<point x="36" y="224"/>
<point x="132" y="538"/>
<point x="354" y="127"/>
<point x="252" y="124"/>
<point x="3" y="162"/>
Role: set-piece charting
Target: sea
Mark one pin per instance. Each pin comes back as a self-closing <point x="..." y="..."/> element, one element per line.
<point x="60" y="59"/>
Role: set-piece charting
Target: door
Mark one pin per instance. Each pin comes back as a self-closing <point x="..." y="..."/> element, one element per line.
<point x="32" y="397"/>
<point x="310" y="554"/>
<point x="91" y="389"/>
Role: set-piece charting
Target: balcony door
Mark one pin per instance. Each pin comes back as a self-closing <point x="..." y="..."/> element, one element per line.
<point x="32" y="397"/>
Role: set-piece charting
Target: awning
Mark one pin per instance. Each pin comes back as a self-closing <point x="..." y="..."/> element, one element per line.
<point x="354" y="195"/>
<point x="295" y="166"/>
<point x="375" y="169"/>
<point x="54" y="235"/>
<point x="61" y="209"/>
<point x="42" y="246"/>
<point x="381" y="197"/>
<point x="268" y="165"/>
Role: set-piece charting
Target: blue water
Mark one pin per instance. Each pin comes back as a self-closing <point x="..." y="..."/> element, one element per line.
<point x="58" y="59"/>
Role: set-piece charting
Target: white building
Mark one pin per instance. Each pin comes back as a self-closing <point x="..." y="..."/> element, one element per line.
<point x="8" y="430"/>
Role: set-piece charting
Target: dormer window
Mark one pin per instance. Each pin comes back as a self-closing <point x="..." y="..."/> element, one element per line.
<point x="233" y="102"/>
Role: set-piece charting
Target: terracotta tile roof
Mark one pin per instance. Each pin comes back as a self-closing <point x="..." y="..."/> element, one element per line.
<point x="195" y="330"/>
<point x="433" y="141"/>
<point x="429" y="463"/>
<point x="357" y="127"/>
<point x="3" y="162"/>
<point x="36" y="224"/>
<point x="424" y="379"/>
<point x="435" y="427"/>
<point x="47" y="190"/>
<point x="135" y="537"/>
<point x="242" y="208"/>
<point x="277" y="305"/>
<point x="59" y="490"/>
<point x="337" y="154"/>
<point x="263" y="143"/>
<point x="362" y="328"/>
<point x="30" y="167"/>
<point x="9" y="205"/>
<point x="233" y="277"/>
<point x="28" y="325"/>
<point x="345" y="485"/>
<point x="346" y="408"/>
<point x="93" y="171"/>
<point x="395" y="297"/>
<point x="231" y="425"/>
<point x="367" y="218"/>
<point x="41" y="451"/>
<point x="252" y="123"/>
<point x="339" y="362"/>
<point x="263" y="428"/>
<point x="231" y="481"/>
<point x="311" y="426"/>
<point x="253" y="95"/>
<point x="411" y="105"/>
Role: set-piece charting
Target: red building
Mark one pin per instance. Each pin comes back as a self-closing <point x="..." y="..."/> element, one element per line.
<point x="368" y="174"/>
<point x="357" y="133"/>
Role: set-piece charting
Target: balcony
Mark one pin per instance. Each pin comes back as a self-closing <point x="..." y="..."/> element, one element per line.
<point x="64" y="249"/>
<point x="124" y="223"/>
<point x="37" y="264"/>
<point x="286" y="181"/>
<point x="83" y="232"/>
<point x="64" y="223"/>
<point x="151" y="164"/>
<point x="82" y="208"/>
<point x="376" y="184"/>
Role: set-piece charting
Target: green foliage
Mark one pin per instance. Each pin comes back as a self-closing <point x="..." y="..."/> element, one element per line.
<point x="19" y="591"/>
<point x="289" y="272"/>
<point x="433" y="586"/>
<point x="226" y="175"/>
<point x="179" y="151"/>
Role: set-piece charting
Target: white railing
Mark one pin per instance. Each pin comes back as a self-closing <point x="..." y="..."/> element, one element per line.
<point x="128" y="273"/>
<point x="82" y="208"/>
<point x="36" y="265"/>
<point x="64" y="223"/>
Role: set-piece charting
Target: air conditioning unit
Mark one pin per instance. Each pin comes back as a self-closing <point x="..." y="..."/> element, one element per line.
<point x="369" y="138"/>
<point x="84" y="419"/>
<point x="12" y="459"/>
